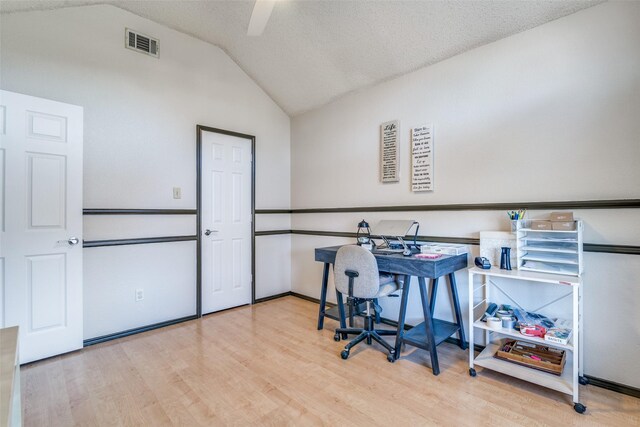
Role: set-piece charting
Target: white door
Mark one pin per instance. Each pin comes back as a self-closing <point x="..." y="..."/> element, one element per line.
<point x="226" y="221"/>
<point x="41" y="223"/>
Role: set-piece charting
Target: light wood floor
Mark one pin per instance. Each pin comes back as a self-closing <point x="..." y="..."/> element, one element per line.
<point x="268" y="365"/>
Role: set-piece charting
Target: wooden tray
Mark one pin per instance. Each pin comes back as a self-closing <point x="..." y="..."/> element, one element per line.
<point x="520" y="352"/>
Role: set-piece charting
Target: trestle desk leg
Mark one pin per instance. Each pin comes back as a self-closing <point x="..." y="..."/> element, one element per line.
<point x="434" y="293"/>
<point x="323" y="295"/>
<point x="402" y="314"/>
<point x="428" y="323"/>
<point x="456" y="307"/>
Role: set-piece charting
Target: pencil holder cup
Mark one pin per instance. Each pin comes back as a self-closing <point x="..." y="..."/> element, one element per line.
<point x="514" y="225"/>
<point x="505" y="258"/>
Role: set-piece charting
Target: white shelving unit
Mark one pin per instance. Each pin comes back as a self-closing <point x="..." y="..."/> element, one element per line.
<point x="549" y="251"/>
<point x="479" y="294"/>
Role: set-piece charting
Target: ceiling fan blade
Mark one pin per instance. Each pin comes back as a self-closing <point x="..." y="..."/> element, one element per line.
<point x="260" y="16"/>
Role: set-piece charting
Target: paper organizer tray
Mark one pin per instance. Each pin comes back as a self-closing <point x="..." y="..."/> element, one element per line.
<point x="552" y="360"/>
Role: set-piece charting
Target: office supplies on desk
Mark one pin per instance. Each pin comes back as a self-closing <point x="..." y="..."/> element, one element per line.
<point x="428" y="256"/>
<point x="516" y="215"/>
<point x="482" y="262"/>
<point x="443" y="248"/>
<point x="505" y="258"/>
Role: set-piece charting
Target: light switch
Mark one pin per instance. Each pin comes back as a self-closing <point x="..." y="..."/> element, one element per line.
<point x="177" y="193"/>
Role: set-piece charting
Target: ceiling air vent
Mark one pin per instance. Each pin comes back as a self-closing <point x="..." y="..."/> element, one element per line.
<point x="141" y="43"/>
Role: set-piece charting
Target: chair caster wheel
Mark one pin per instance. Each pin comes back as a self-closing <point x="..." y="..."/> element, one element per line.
<point x="344" y="354"/>
<point x="583" y="380"/>
<point x="336" y="337"/>
<point x="391" y="358"/>
<point x="472" y="372"/>
<point x="579" y="408"/>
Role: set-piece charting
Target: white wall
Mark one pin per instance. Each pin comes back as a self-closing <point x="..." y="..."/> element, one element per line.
<point x="140" y="120"/>
<point x="550" y="114"/>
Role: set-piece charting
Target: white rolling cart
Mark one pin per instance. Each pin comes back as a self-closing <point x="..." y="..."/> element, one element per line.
<point x="572" y="374"/>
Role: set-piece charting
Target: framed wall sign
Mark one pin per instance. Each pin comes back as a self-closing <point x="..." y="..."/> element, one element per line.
<point x="389" y="152"/>
<point x="422" y="158"/>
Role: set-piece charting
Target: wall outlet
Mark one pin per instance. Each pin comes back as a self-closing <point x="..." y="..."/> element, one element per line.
<point x="177" y="192"/>
<point x="139" y="294"/>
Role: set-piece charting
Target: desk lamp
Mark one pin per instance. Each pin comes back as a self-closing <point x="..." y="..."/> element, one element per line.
<point x="363" y="236"/>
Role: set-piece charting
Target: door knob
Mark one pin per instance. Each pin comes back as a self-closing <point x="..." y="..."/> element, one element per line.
<point x="207" y="232"/>
<point x="71" y="241"/>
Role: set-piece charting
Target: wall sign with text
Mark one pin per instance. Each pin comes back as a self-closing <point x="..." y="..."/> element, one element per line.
<point x="389" y="152"/>
<point x="422" y="158"/>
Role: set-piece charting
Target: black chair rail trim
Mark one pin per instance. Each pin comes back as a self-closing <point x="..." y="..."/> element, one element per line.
<point x="139" y="212"/>
<point x="272" y="232"/>
<point x="138" y="241"/>
<point x="578" y="204"/>
<point x="587" y="247"/>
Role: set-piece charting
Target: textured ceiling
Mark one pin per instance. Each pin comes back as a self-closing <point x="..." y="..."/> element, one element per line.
<point x="314" y="51"/>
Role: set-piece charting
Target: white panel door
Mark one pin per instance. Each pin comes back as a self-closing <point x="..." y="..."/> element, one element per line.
<point x="41" y="223"/>
<point x="226" y="221"/>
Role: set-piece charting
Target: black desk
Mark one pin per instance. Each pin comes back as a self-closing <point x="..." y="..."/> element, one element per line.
<point x="431" y="332"/>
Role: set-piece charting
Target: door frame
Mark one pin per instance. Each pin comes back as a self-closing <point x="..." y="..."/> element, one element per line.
<point x="199" y="130"/>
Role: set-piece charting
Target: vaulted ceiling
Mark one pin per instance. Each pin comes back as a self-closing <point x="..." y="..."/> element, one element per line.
<point x="312" y="52"/>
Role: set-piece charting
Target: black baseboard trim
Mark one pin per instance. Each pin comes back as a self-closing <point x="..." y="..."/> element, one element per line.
<point x="272" y="297"/>
<point x="613" y="386"/>
<point x="310" y="299"/>
<point x="224" y="309"/>
<point x="598" y="382"/>
<point x="140" y="241"/>
<point x="104" y="338"/>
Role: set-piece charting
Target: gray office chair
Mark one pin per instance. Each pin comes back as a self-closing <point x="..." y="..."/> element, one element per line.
<point x="356" y="275"/>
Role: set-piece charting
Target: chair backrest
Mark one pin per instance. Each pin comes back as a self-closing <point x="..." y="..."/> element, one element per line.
<point x="356" y="258"/>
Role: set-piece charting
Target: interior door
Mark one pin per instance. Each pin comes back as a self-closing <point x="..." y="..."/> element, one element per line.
<point x="41" y="223"/>
<point x="226" y="215"/>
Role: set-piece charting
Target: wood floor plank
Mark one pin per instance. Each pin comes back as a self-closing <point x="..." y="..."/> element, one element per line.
<point x="268" y="365"/>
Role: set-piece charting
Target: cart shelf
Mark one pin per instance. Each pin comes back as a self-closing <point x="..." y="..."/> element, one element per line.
<point x="562" y="383"/>
<point x="517" y="335"/>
